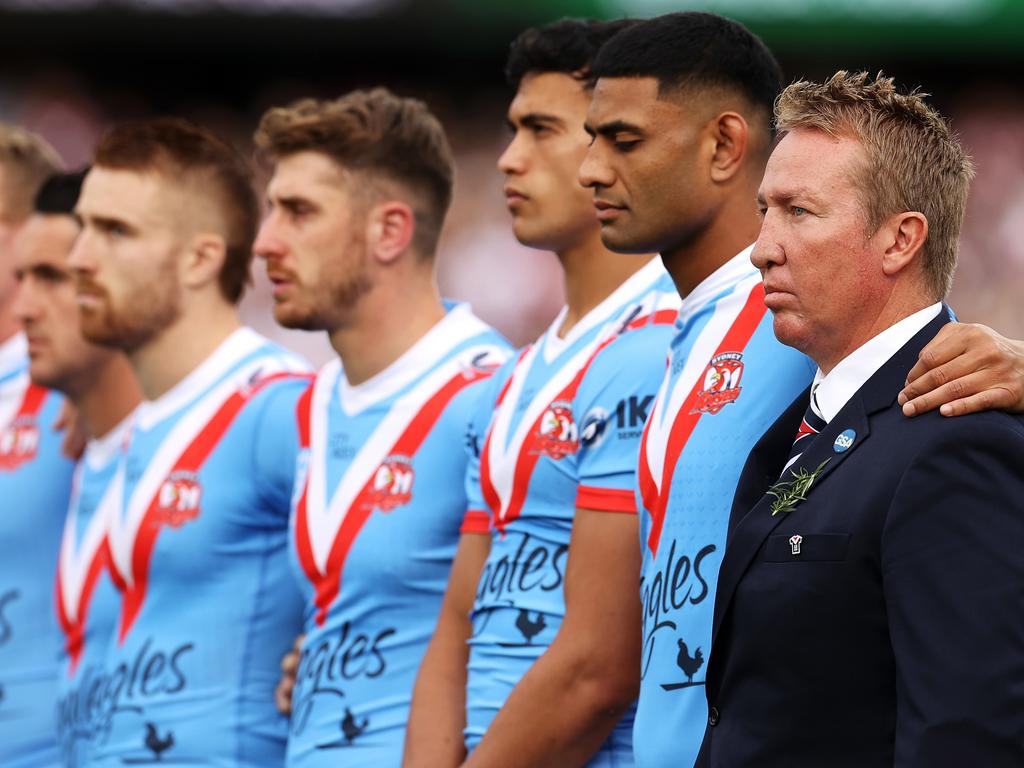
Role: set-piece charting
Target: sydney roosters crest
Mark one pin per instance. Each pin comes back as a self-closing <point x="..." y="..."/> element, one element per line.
<point x="19" y="442"/>
<point x="179" y="498"/>
<point x="558" y="435"/>
<point x="392" y="483"/>
<point x="721" y="383"/>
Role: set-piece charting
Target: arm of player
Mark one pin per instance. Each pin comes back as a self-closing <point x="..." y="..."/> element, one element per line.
<point x="571" y="698"/>
<point x="438" y="715"/>
<point x="966" y="369"/>
<point x="953" y="578"/>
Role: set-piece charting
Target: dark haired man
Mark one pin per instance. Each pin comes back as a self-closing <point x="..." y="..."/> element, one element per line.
<point x="35" y="480"/>
<point x="360" y="189"/>
<point x="199" y="527"/>
<point x="550" y="673"/>
<point x="99" y="383"/>
<point x="682" y="125"/>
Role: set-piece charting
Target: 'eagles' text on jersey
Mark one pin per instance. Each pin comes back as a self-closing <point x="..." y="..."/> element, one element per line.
<point x="35" y="480"/>
<point x="559" y="431"/>
<point x="198" y="545"/>
<point x="727" y="381"/>
<point x="87" y="602"/>
<point x="378" y="506"/>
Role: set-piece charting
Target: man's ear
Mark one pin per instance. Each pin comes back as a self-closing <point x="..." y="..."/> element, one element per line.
<point x="731" y="135"/>
<point x="390" y="227"/>
<point x="205" y="259"/>
<point x="903" y="236"/>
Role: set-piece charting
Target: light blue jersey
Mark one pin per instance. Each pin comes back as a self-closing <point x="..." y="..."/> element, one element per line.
<point x="198" y="544"/>
<point x="87" y="602"/>
<point x="35" y="480"/>
<point x="561" y="431"/>
<point x="378" y="509"/>
<point x="727" y="381"/>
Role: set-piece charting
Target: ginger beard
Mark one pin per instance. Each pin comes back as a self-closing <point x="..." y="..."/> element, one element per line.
<point x="142" y="308"/>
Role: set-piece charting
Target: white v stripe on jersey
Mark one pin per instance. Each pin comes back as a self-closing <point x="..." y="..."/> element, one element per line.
<point x="125" y="526"/>
<point x="323" y="520"/>
<point x="76" y="561"/>
<point x="11" y="393"/>
<point x="503" y="452"/>
<point x="667" y="404"/>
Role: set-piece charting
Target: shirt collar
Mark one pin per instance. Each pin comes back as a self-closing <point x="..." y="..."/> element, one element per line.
<point x="831" y="392"/>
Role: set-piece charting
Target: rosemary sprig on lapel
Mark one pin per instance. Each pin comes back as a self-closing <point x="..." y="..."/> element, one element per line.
<point x="789" y="493"/>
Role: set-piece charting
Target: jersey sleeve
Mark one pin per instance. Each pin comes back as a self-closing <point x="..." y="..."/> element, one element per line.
<point x="276" y="443"/>
<point x="612" y="405"/>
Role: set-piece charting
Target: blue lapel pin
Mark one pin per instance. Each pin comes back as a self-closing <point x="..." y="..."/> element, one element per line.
<point x="844" y="441"/>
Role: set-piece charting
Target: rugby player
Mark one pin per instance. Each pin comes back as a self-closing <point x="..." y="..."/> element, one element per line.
<point x="35" y="480"/>
<point x="681" y="122"/>
<point x="198" y="534"/>
<point x="100" y="385"/>
<point x="358" y="196"/>
<point x="550" y="673"/>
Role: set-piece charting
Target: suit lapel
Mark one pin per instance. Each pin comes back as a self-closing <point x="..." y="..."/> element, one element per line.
<point x="766" y="459"/>
<point x="879" y="392"/>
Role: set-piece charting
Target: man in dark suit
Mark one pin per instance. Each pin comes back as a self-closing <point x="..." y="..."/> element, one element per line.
<point x="870" y="606"/>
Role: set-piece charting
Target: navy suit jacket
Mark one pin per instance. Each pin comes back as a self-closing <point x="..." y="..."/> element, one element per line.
<point x="895" y="636"/>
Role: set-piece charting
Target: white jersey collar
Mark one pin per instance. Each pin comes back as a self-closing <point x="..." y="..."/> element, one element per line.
<point x="733" y="271"/>
<point x="833" y="391"/>
<point x="13" y="353"/>
<point x="642" y="279"/>
<point x="226" y="356"/>
<point x="101" y="450"/>
<point x="458" y="325"/>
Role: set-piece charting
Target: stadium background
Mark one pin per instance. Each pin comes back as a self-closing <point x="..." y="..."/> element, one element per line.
<point x="69" y="68"/>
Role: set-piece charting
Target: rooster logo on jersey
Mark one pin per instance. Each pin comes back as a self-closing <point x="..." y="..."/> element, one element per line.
<point x="392" y="483"/>
<point x="179" y="498"/>
<point x="19" y="442"/>
<point x="721" y="383"/>
<point x="558" y="435"/>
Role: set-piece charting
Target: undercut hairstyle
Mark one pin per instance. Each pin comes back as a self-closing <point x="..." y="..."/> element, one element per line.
<point x="693" y="50"/>
<point x="567" y="46"/>
<point x="914" y="161"/>
<point x="27" y="161"/>
<point x="59" y="193"/>
<point x="377" y="136"/>
<point x="184" y="152"/>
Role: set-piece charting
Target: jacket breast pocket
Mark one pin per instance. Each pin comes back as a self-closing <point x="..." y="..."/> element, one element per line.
<point x="811" y="547"/>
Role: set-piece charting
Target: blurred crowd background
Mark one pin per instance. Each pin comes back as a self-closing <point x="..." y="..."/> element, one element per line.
<point x="70" y="68"/>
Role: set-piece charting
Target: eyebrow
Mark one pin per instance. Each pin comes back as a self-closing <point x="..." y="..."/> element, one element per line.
<point x="613" y="127"/>
<point x="788" y="195"/>
<point x="536" y="119"/>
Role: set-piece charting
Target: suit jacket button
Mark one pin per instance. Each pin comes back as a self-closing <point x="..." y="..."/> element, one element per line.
<point x="713" y="716"/>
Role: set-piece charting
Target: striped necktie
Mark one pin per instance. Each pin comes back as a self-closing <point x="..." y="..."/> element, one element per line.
<point x="811" y="425"/>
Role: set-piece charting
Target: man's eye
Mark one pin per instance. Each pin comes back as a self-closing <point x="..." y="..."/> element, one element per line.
<point x="796" y="210"/>
<point x="625" y="145"/>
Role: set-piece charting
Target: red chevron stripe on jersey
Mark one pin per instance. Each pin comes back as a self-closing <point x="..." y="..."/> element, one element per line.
<point x="19" y="440"/>
<point x="529" y="455"/>
<point x="688" y="416"/>
<point x="190" y="461"/>
<point x="328" y="581"/>
<point x="74" y="627"/>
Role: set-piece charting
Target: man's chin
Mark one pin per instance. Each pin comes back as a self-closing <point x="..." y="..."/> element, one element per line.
<point x="623" y="241"/>
<point x="296" y="320"/>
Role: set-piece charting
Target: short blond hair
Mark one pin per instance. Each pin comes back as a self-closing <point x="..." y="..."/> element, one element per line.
<point x="914" y="160"/>
<point x="29" y="160"/>
<point x="376" y="133"/>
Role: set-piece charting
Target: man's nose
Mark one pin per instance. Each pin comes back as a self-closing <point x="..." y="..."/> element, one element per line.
<point x="594" y="171"/>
